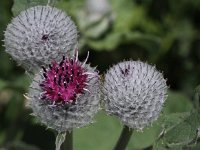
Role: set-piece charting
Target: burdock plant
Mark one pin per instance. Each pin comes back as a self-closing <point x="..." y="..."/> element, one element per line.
<point x="65" y="93"/>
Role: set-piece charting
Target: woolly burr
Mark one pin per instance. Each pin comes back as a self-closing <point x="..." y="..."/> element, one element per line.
<point x="65" y="95"/>
<point x="135" y="93"/>
<point x="39" y="35"/>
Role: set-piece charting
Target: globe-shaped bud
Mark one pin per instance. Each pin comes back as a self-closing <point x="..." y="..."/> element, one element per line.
<point x="65" y="95"/>
<point x="134" y="92"/>
<point x="39" y="35"/>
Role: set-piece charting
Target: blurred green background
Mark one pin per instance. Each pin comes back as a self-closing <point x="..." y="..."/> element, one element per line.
<point x="165" y="33"/>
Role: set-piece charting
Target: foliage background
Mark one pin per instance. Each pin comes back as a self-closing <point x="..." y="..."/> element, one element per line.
<point x="165" y="33"/>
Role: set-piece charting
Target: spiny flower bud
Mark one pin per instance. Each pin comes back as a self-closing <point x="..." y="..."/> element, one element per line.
<point x="134" y="92"/>
<point x="65" y="95"/>
<point x="39" y="35"/>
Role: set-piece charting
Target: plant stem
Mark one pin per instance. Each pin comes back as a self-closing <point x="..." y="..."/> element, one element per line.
<point x="124" y="138"/>
<point x="68" y="144"/>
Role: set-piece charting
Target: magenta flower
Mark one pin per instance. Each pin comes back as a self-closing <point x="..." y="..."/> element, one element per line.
<point x="65" y="81"/>
<point x="65" y="95"/>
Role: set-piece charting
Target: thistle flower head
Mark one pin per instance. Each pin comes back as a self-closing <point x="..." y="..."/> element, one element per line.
<point x="65" y="95"/>
<point x="38" y="35"/>
<point x="134" y="92"/>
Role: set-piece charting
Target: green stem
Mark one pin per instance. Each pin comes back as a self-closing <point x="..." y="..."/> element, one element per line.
<point x="68" y="143"/>
<point x="124" y="138"/>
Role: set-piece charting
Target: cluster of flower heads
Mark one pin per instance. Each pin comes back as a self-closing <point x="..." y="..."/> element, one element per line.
<point x="65" y="92"/>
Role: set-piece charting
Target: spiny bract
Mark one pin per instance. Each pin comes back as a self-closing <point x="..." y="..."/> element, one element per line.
<point x="65" y="95"/>
<point x="38" y="35"/>
<point x="134" y="92"/>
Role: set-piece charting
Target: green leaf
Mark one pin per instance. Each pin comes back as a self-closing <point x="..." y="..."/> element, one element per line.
<point x="103" y="132"/>
<point x="177" y="102"/>
<point x="180" y="130"/>
<point x="147" y="137"/>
